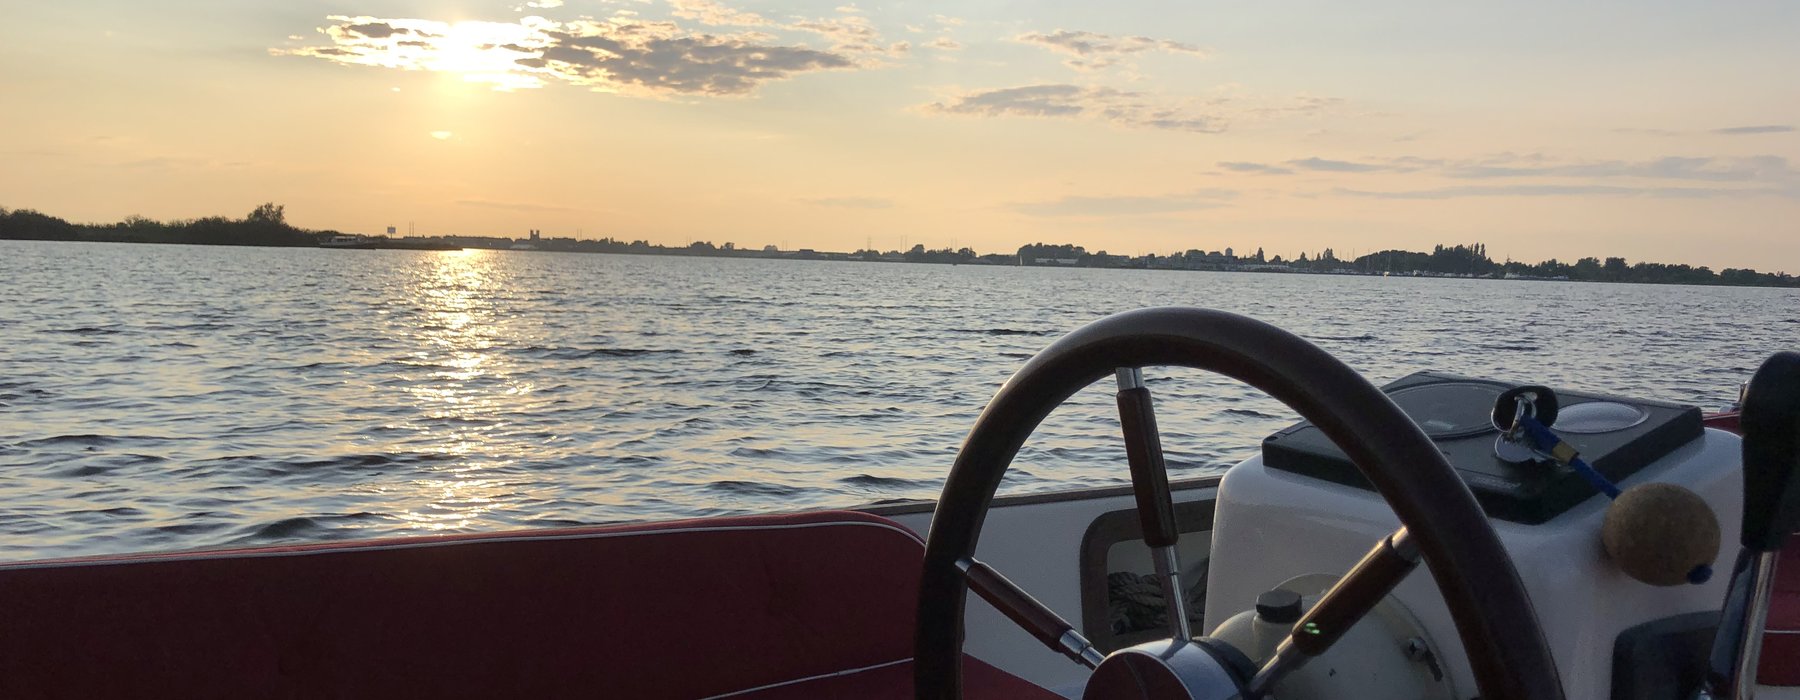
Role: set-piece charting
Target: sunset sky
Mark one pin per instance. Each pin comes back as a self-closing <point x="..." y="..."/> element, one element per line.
<point x="1654" y="130"/>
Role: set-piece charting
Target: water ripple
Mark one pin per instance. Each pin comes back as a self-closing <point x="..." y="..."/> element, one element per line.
<point x="168" y="397"/>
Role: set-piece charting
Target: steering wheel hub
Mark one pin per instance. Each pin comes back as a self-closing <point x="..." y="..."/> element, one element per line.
<point x="1166" y="669"/>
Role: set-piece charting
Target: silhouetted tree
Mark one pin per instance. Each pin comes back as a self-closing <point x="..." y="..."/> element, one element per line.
<point x="1615" y="270"/>
<point x="269" y="213"/>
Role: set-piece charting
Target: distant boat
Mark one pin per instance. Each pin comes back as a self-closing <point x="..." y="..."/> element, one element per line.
<point x="348" y="242"/>
<point x="357" y="242"/>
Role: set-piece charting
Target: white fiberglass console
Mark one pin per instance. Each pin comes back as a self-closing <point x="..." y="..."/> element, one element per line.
<point x="1273" y="526"/>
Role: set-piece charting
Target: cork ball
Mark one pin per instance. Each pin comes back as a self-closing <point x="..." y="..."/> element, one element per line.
<point x="1661" y="534"/>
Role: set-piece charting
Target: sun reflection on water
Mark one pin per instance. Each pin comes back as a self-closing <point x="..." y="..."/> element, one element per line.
<point x="463" y="398"/>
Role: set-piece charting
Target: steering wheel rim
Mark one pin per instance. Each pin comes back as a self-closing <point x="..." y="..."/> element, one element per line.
<point x="1488" y="602"/>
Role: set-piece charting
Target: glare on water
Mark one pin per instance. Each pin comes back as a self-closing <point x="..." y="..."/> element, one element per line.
<point x="164" y="397"/>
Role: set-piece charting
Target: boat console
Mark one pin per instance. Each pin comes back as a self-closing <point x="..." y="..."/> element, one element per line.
<point x="1618" y="436"/>
<point x="1570" y="540"/>
<point x="1302" y="509"/>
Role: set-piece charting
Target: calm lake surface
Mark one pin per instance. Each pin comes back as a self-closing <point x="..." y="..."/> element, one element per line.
<point x="171" y="397"/>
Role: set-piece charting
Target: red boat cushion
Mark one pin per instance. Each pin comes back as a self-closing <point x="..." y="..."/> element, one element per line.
<point x="894" y="682"/>
<point x="769" y="606"/>
<point x="1780" y="663"/>
<point x="1727" y="421"/>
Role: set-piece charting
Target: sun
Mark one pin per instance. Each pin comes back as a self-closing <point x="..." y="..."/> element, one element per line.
<point x="467" y="47"/>
<point x="482" y="52"/>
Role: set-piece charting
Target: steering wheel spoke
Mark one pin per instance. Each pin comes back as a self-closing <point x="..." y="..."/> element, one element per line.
<point x="1354" y="595"/>
<point x="1029" y="614"/>
<point x="1150" y="484"/>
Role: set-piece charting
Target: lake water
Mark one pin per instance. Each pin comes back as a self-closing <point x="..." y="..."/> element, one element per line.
<point x="171" y="397"/>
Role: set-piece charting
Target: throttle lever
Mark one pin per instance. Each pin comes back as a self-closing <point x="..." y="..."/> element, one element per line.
<point x="1771" y="427"/>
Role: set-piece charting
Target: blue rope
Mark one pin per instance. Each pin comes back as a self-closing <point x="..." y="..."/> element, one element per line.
<point x="1548" y="443"/>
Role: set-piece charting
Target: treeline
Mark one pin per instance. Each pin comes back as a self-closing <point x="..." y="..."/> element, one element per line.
<point x="1055" y="251"/>
<point x="1473" y="261"/>
<point x="941" y="256"/>
<point x="1470" y="260"/>
<point x="265" y="226"/>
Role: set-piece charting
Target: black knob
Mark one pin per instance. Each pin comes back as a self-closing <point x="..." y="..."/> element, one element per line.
<point x="1543" y="405"/>
<point x="1280" y="605"/>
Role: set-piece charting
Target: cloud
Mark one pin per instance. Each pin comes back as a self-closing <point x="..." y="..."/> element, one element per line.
<point x="1255" y="168"/>
<point x="1404" y="164"/>
<point x="1127" y="205"/>
<point x="1727" y="131"/>
<point x="1095" y="44"/>
<point x="1297" y="106"/>
<point x="1210" y="115"/>
<point x="1710" y="169"/>
<point x="944" y="43"/>
<point x="1128" y="109"/>
<point x="373" y="30"/>
<point x="1767" y="168"/>
<point x="659" y="58"/>
<point x="1094" y="51"/>
<point x="1764" y="129"/>
<point x="851" y="34"/>
<point x="1335" y="166"/>
<point x="482" y="52"/>
<point x="620" y="54"/>
<point x="1562" y="191"/>
<point x="716" y="14"/>
<point x="1030" y="101"/>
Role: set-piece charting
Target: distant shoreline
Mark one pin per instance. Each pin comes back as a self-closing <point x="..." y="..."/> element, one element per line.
<point x="846" y="257"/>
<point x="267" y="227"/>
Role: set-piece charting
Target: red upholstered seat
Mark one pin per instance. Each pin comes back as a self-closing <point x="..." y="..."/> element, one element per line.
<point x="809" y="605"/>
<point x="894" y="682"/>
<point x="1781" y="637"/>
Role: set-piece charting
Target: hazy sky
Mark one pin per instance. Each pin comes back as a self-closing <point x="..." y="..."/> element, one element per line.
<point x="1655" y="130"/>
